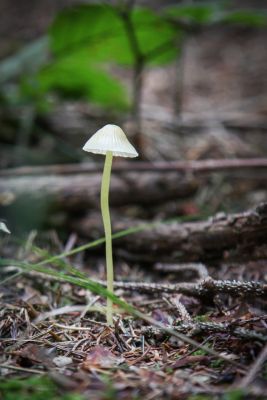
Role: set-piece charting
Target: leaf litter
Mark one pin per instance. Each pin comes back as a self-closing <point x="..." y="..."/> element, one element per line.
<point x="56" y="329"/>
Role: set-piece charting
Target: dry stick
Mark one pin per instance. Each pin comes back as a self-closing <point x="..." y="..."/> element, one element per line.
<point x="204" y="288"/>
<point x="201" y="166"/>
<point x="77" y="328"/>
<point x="30" y="370"/>
<point x="198" y="268"/>
<point x="256" y="366"/>
<point x="180" y="309"/>
<point x="242" y="322"/>
<point x="193" y="328"/>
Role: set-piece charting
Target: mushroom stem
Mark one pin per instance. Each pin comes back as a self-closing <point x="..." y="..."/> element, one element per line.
<point x="107" y="228"/>
<point x="109" y="140"/>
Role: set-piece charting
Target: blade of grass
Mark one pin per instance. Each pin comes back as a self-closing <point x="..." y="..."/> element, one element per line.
<point x="95" y="243"/>
<point x="57" y="258"/>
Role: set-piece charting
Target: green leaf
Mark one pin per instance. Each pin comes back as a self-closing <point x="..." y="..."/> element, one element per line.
<point x="96" y="28"/>
<point x="83" y="25"/>
<point x="216" y="13"/>
<point x="85" y="39"/>
<point x="156" y="37"/>
<point x="101" y="31"/>
<point x="247" y="18"/>
<point x="73" y="76"/>
<point x="200" y="14"/>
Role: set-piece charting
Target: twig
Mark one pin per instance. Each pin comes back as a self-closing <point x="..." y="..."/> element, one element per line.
<point x="194" y="328"/>
<point x="198" y="268"/>
<point x="200" y="166"/>
<point x="67" y="310"/>
<point x="78" y="328"/>
<point x="30" y="370"/>
<point x="206" y="288"/>
<point x="180" y="309"/>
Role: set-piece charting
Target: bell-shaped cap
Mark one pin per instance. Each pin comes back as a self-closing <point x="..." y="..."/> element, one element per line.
<point x="110" y="138"/>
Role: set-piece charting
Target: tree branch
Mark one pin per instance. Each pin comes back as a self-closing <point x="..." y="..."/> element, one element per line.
<point x="203" y="289"/>
<point x="192" y="328"/>
<point x="201" y="166"/>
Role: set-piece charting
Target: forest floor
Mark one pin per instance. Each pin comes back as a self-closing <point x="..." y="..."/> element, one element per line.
<point x="186" y="344"/>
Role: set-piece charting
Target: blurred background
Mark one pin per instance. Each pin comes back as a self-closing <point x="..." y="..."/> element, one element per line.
<point x="186" y="80"/>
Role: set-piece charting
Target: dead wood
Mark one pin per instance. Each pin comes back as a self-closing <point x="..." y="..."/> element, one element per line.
<point x="222" y="237"/>
<point x="193" y="328"/>
<point x="81" y="191"/>
<point x="207" y="288"/>
<point x="198" y="166"/>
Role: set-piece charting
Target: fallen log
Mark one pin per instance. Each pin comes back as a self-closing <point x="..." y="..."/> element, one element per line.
<point x="77" y="186"/>
<point x="82" y="192"/>
<point x="222" y="237"/>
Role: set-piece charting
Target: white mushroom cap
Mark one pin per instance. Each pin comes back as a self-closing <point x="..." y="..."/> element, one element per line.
<point x="110" y="138"/>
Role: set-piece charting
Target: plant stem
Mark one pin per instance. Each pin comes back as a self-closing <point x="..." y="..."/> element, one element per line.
<point x="107" y="228"/>
<point x="138" y="70"/>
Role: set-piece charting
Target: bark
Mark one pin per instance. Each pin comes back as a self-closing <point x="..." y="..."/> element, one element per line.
<point x="81" y="191"/>
<point x="207" y="288"/>
<point x="228" y="237"/>
<point x="196" y="328"/>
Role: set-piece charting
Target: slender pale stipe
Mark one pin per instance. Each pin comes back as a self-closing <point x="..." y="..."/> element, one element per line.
<point x="107" y="228"/>
<point x="110" y="141"/>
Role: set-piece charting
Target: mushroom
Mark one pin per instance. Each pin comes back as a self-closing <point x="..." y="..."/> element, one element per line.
<point x="110" y="141"/>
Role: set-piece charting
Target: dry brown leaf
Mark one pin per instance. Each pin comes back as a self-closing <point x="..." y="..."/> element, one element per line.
<point x="32" y="354"/>
<point x="100" y="357"/>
